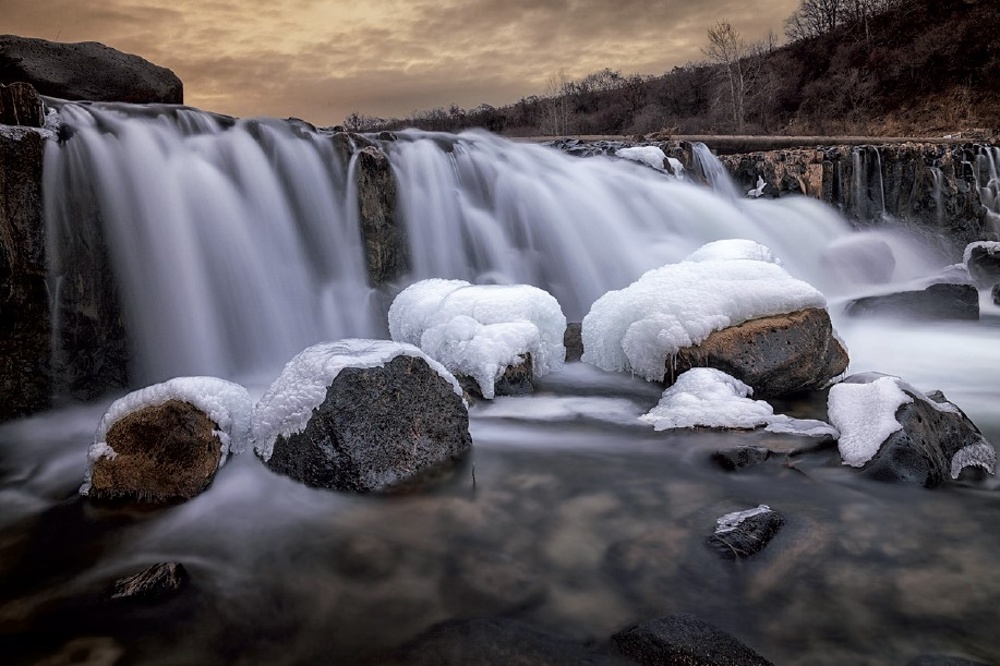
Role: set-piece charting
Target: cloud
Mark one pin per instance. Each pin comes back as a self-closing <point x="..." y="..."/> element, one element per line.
<point x="320" y="60"/>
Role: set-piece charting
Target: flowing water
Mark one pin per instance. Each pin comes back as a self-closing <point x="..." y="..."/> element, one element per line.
<point x="236" y="244"/>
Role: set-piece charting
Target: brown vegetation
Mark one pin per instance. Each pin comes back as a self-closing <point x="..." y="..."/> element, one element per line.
<point x="871" y="67"/>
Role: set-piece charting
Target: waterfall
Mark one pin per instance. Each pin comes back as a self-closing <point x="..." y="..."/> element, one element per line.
<point x="938" y="177"/>
<point x="235" y="244"/>
<point x="986" y="172"/>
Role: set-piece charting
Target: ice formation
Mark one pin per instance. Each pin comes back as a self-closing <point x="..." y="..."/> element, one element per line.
<point x="228" y="405"/>
<point x="651" y="155"/>
<point x="865" y="415"/>
<point x="732" y="521"/>
<point x="759" y="190"/>
<point x="991" y="247"/>
<point x="287" y="405"/>
<point x="720" y="285"/>
<point x="706" y="397"/>
<point x="479" y="330"/>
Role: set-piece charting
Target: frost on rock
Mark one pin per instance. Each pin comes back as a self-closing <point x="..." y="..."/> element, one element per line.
<point x="480" y="330"/>
<point x="981" y="454"/>
<point x="706" y="397"/>
<point x="991" y="248"/>
<point x="865" y="415"/>
<point x="732" y="521"/>
<point x="679" y="305"/>
<point x="759" y="190"/>
<point x="288" y="404"/>
<point x="649" y="155"/>
<point x="228" y="405"/>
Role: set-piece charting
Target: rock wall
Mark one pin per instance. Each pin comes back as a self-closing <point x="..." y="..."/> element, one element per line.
<point x="931" y="188"/>
<point x="25" y="324"/>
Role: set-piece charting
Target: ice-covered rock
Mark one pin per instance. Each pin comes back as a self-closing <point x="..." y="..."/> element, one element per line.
<point x="646" y="327"/>
<point x="480" y="331"/>
<point x="165" y="442"/>
<point x="361" y="416"/>
<point x="709" y="398"/>
<point x="649" y="155"/>
<point x="982" y="259"/>
<point x="745" y="533"/>
<point x="893" y="431"/>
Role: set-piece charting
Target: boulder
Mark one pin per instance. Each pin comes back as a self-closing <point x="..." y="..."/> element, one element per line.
<point x="893" y="432"/>
<point x="21" y="105"/>
<point x="156" y="583"/>
<point x="995" y="293"/>
<point x="387" y="419"/>
<point x="573" y="341"/>
<point x="775" y="355"/>
<point x="516" y="379"/>
<point x="936" y="302"/>
<point x="386" y="248"/>
<point x="740" y="457"/>
<point x="745" y="533"/>
<point x="684" y="639"/>
<point x="982" y="259"/>
<point x="86" y="71"/>
<point x="161" y="454"/>
<point x="25" y="329"/>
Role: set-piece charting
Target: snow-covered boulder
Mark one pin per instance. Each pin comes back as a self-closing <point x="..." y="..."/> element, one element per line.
<point x="892" y="431"/>
<point x="482" y="331"/>
<point x="982" y="259"/>
<point x="709" y="398"/>
<point x="730" y="305"/>
<point x="361" y="416"/>
<point x="164" y="443"/>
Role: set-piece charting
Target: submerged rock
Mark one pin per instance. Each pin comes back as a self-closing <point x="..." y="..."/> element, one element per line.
<point x="684" y="639"/>
<point x="362" y="416"/>
<point x="893" y="432"/>
<point x="487" y="582"/>
<point x="745" y="533"/>
<point x="938" y="301"/>
<point x="86" y="71"/>
<point x="156" y="583"/>
<point x="775" y="355"/>
<point x="741" y="457"/>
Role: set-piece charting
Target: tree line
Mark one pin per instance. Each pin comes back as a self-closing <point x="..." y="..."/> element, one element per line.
<point x="848" y="66"/>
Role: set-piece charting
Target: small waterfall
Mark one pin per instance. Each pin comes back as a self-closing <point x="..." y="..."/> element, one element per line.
<point x="235" y="244"/>
<point x="938" y="178"/>
<point x="986" y="171"/>
<point x="711" y="169"/>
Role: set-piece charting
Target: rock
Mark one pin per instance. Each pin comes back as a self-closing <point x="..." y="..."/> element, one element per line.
<point x="684" y="639"/>
<point x="163" y="454"/>
<point x="740" y="457"/>
<point x="386" y="249"/>
<point x="21" y="105"/>
<point x="86" y="71"/>
<point x="745" y="533"/>
<point x="486" y="582"/>
<point x="492" y="642"/>
<point x="516" y="379"/>
<point x="377" y="429"/>
<point x="936" y="441"/>
<point x="775" y="355"/>
<point x="995" y="293"/>
<point x="982" y="259"/>
<point x="156" y="583"/>
<point x="25" y="321"/>
<point x="573" y="341"/>
<point x="938" y="301"/>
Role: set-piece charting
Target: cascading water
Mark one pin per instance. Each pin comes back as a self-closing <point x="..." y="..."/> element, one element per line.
<point x="987" y="174"/>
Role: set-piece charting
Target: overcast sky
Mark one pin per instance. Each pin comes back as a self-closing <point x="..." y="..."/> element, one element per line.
<point x="321" y="59"/>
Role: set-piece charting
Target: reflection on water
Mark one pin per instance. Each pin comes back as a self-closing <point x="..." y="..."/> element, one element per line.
<point x="575" y="524"/>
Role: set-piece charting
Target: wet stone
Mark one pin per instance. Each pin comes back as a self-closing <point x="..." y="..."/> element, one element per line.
<point x="573" y="341"/>
<point x="684" y="639"/>
<point x="745" y="533"/>
<point x="740" y="457"/>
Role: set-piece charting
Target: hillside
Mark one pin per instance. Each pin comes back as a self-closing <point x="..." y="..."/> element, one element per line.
<point x="917" y="68"/>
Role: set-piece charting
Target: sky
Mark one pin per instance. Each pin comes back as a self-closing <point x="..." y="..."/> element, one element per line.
<point x="320" y="60"/>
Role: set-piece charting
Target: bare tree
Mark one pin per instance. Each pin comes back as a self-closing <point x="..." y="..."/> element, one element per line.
<point x="557" y="93"/>
<point x="727" y="49"/>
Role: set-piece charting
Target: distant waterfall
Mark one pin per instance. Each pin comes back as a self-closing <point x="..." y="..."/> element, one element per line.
<point x="235" y="243"/>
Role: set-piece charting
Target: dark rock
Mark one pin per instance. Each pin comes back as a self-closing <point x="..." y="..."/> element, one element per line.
<point x="21" y="105"/>
<point x="573" y="341"/>
<point x="86" y="71"/>
<point x="378" y="429"/>
<point x="684" y="639"/>
<point x="516" y="379"/>
<point x="492" y="642"/>
<point x="386" y="136"/>
<point x="745" y="533"/>
<point x="165" y="453"/>
<point x="983" y="262"/>
<point x="943" y="660"/>
<point x="995" y="293"/>
<point x="740" y="457"/>
<point x="486" y="582"/>
<point x="933" y="445"/>
<point x="156" y="583"/>
<point x="938" y="301"/>
<point x="773" y="355"/>
<point x="25" y="320"/>
<point x="386" y="250"/>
